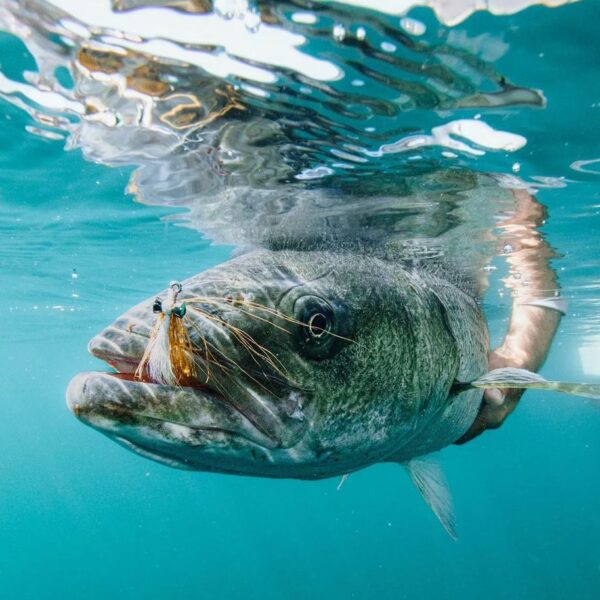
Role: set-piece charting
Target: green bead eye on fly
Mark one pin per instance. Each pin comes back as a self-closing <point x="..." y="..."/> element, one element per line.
<point x="319" y="328"/>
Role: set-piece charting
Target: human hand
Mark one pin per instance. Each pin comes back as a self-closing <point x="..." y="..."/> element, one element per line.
<point x="496" y="404"/>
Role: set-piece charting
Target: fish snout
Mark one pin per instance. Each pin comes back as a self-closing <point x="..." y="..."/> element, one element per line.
<point x="92" y="395"/>
<point x="76" y="393"/>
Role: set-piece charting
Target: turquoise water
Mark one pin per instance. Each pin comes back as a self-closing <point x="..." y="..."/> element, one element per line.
<point x="81" y="517"/>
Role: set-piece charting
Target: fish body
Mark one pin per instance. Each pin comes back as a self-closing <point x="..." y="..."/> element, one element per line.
<point x="309" y="364"/>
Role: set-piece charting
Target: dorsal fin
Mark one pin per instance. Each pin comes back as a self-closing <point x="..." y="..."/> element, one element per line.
<point x="429" y="479"/>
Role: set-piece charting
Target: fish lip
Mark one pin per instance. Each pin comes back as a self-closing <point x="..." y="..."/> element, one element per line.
<point x="122" y="365"/>
<point x="120" y="362"/>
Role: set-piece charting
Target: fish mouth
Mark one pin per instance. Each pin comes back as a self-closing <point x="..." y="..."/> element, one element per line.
<point x="234" y="415"/>
<point x="120" y="402"/>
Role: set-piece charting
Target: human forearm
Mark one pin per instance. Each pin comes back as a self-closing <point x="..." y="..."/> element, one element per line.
<point x="531" y="278"/>
<point x="535" y="311"/>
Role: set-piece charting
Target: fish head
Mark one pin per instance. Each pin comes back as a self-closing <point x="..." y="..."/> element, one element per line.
<point x="304" y="367"/>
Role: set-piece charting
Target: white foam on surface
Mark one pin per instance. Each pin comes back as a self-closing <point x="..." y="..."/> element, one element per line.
<point x="583" y="166"/>
<point x="173" y="34"/>
<point x="450" y="12"/>
<point x="475" y="131"/>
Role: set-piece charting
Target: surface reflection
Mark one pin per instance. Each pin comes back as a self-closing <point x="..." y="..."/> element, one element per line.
<point x="264" y="146"/>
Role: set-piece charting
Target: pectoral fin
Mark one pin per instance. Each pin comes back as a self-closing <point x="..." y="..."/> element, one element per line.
<point x="511" y="378"/>
<point x="429" y="479"/>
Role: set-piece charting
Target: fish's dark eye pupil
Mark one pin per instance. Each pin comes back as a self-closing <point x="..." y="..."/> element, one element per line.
<point x="318" y="324"/>
<point x="321" y="325"/>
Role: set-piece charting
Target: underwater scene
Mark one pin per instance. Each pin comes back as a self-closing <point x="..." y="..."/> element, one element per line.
<point x="301" y="299"/>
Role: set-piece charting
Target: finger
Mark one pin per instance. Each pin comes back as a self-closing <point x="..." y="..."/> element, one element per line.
<point x="494" y="397"/>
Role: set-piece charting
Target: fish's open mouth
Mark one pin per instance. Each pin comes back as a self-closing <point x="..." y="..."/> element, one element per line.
<point x="127" y="369"/>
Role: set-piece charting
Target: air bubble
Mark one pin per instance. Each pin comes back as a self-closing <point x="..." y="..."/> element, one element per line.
<point x="231" y="8"/>
<point x="339" y="32"/>
<point x="304" y="18"/>
<point x="316" y="173"/>
<point x="252" y="21"/>
<point x="412" y="26"/>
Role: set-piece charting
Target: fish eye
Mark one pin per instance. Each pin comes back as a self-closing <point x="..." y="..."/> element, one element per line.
<point x="318" y="327"/>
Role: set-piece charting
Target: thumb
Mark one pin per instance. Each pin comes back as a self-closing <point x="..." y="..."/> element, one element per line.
<point x="494" y="397"/>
